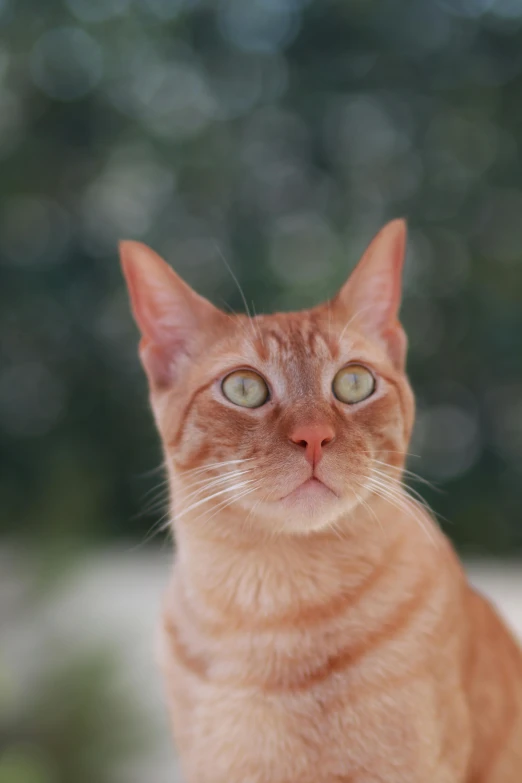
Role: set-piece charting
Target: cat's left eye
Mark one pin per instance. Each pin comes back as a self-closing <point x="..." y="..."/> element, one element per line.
<point x="245" y="388"/>
<point x="353" y="384"/>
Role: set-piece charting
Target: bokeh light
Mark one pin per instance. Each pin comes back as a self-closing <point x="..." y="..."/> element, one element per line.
<point x="277" y="136"/>
<point x="66" y="63"/>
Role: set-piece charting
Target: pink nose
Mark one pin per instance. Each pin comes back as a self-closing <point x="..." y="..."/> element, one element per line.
<point x="312" y="438"/>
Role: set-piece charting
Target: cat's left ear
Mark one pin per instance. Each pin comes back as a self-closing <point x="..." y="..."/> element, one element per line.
<point x="173" y="319"/>
<point x="372" y="294"/>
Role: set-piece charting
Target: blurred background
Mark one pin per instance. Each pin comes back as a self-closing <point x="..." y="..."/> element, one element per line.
<point x="280" y="135"/>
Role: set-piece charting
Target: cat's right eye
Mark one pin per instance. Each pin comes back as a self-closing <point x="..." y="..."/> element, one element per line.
<point x="353" y="384"/>
<point x="245" y="388"/>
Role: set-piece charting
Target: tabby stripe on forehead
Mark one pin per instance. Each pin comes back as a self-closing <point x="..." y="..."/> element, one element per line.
<point x="402" y="399"/>
<point x="403" y="403"/>
<point x="174" y="442"/>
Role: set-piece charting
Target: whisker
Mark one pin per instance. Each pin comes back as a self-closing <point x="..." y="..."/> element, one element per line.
<point x="236" y="319"/>
<point x="396" y="481"/>
<point x="161" y="486"/>
<point x="200" y="485"/>
<point x="367" y="506"/>
<point x="408" y="491"/>
<point x="199" y="479"/>
<point x="162" y="499"/>
<point x="393" y="451"/>
<point x="333" y="527"/>
<point x="254" y="325"/>
<point x="254" y="507"/>
<point x="213" y="465"/>
<point x="224" y="504"/>
<point x="404" y="507"/>
<point x="399" y="500"/>
<point x="410" y="474"/>
<point x="198" y="503"/>
<point x="234" y="278"/>
<point x="206" y="485"/>
<point x="356" y="315"/>
<point x="155" y="529"/>
<point x="152" y="471"/>
<point x="155" y="505"/>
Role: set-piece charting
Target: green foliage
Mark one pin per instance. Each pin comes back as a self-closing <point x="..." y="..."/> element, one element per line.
<point x="74" y="724"/>
<point x="285" y="134"/>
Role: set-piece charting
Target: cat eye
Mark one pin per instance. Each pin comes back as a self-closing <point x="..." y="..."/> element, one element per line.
<point x="245" y="388"/>
<point x="353" y="384"/>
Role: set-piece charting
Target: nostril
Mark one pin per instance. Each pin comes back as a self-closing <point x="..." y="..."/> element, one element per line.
<point x="312" y="436"/>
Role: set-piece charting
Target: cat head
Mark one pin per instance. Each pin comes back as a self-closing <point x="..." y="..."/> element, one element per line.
<point x="285" y="419"/>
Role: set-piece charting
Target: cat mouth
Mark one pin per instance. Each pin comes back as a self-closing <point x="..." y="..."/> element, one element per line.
<point x="312" y="487"/>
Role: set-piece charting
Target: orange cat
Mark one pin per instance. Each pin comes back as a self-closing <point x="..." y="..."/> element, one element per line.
<point x="318" y="627"/>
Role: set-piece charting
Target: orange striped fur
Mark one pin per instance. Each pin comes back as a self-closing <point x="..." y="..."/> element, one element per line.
<point x="314" y="631"/>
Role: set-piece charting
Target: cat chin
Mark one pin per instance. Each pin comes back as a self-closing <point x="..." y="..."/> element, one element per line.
<point x="307" y="509"/>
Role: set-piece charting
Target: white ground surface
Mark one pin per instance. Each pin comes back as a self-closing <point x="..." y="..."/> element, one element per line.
<point x="113" y="599"/>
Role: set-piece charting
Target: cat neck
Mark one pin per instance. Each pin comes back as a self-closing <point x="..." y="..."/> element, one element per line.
<point x="250" y="574"/>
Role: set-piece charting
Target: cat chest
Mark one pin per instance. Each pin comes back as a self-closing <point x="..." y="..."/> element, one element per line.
<point x="317" y="725"/>
<point x="247" y="734"/>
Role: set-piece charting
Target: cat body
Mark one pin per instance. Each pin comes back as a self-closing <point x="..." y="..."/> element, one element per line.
<point x="318" y="627"/>
<point x="369" y="678"/>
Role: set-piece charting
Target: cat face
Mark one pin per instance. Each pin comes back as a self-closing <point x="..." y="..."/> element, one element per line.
<point x="284" y="419"/>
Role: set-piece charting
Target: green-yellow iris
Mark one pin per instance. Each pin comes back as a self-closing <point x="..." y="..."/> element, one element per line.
<point x="353" y="384"/>
<point x="245" y="388"/>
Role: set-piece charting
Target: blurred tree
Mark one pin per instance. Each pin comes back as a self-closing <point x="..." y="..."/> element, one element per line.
<point x="281" y="135"/>
<point x="74" y="726"/>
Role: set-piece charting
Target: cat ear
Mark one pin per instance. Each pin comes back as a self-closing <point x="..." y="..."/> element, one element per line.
<point x="372" y="293"/>
<point x="169" y="314"/>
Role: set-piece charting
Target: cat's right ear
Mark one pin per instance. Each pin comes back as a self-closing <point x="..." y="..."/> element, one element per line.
<point x="169" y="314"/>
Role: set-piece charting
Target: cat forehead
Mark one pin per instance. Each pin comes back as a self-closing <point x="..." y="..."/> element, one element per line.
<point x="286" y="337"/>
<point x="296" y="348"/>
